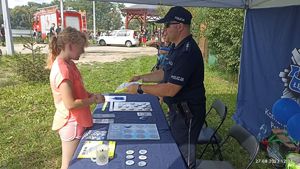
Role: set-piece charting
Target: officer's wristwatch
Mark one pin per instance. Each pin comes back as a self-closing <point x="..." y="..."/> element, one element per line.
<point x="139" y="89"/>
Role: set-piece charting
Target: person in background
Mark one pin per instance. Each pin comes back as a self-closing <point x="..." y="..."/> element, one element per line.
<point x="35" y="35"/>
<point x="58" y="29"/>
<point x="52" y="30"/>
<point x="71" y="100"/>
<point x="144" y="37"/>
<point x="163" y="49"/>
<point x="2" y="34"/>
<point x="181" y="86"/>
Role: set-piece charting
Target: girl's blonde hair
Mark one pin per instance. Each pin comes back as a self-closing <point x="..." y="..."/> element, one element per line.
<point x="58" y="43"/>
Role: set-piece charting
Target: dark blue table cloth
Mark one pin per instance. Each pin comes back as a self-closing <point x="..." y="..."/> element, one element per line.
<point x="162" y="154"/>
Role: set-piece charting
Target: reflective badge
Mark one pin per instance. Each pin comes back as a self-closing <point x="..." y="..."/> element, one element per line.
<point x="129" y="162"/>
<point x="130" y="157"/>
<point x="129" y="152"/>
<point x="177" y="78"/>
<point x="142" y="163"/>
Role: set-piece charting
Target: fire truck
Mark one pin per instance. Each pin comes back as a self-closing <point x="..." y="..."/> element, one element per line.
<point x="44" y="18"/>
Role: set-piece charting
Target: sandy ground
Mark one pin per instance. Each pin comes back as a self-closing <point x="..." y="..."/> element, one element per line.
<point x="99" y="53"/>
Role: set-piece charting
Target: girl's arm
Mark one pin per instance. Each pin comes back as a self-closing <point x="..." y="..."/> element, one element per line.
<point x="65" y="89"/>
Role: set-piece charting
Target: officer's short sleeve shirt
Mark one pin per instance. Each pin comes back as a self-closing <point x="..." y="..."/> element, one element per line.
<point x="185" y="68"/>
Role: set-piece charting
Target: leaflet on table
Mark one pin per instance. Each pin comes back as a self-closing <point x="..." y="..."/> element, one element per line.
<point x="88" y="149"/>
<point x="103" y="121"/>
<point x="99" y="134"/>
<point x="123" y="86"/>
<point x="103" y="115"/>
<point x="115" y="98"/>
<point x="140" y="114"/>
<point x="130" y="106"/>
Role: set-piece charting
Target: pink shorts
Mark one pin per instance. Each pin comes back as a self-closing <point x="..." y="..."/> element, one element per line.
<point x="71" y="130"/>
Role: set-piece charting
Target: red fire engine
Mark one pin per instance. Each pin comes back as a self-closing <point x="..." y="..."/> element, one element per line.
<point x="46" y="16"/>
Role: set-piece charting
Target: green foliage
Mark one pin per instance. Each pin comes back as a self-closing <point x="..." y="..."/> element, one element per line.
<point x="107" y="15"/>
<point x="92" y="42"/>
<point x="32" y="68"/>
<point x="162" y="10"/>
<point x="134" y="24"/>
<point x="30" y="43"/>
<point x="224" y="33"/>
<point x="198" y="18"/>
<point x="22" y="16"/>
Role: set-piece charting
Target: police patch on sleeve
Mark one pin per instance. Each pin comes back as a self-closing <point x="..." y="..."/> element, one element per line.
<point x="178" y="78"/>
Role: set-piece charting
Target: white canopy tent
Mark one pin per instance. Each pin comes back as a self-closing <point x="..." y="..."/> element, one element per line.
<point x="246" y="4"/>
<point x="215" y="3"/>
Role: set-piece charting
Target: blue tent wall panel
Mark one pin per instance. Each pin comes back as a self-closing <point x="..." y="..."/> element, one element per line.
<point x="270" y="35"/>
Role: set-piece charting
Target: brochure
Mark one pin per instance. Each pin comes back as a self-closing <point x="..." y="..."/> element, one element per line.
<point x="88" y="149"/>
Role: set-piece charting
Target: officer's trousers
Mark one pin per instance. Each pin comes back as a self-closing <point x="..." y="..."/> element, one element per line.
<point x="180" y="127"/>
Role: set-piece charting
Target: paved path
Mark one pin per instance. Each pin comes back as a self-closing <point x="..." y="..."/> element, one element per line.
<point x="100" y="53"/>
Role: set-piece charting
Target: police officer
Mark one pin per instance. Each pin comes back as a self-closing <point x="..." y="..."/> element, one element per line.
<point x="182" y="85"/>
<point x="2" y="35"/>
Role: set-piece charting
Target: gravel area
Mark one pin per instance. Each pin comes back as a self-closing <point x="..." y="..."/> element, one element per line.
<point x="100" y="53"/>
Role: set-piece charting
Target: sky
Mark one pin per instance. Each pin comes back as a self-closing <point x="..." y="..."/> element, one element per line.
<point x="13" y="3"/>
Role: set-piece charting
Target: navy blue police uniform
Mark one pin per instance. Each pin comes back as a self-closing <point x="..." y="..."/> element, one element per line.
<point x="185" y="68"/>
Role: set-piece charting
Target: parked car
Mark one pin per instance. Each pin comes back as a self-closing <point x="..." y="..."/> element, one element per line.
<point x="125" y="37"/>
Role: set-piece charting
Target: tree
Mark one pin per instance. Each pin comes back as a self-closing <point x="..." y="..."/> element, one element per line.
<point x="199" y="15"/>
<point x="135" y="25"/>
<point x="108" y="16"/>
<point x="21" y="16"/>
<point x="224" y="33"/>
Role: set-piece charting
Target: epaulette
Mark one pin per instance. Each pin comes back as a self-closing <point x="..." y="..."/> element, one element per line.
<point x="187" y="47"/>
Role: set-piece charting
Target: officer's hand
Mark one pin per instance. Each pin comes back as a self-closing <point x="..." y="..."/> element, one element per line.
<point x="135" y="78"/>
<point x="132" y="89"/>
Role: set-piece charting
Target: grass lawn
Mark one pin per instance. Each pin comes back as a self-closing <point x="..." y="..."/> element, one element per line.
<point x="26" y="112"/>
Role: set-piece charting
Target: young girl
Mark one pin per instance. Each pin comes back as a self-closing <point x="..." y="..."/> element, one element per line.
<point x="71" y="100"/>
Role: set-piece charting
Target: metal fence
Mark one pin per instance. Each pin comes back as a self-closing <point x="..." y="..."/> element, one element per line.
<point x="21" y="32"/>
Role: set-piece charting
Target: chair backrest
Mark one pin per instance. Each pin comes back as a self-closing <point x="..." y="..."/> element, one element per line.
<point x="246" y="140"/>
<point x="221" y="110"/>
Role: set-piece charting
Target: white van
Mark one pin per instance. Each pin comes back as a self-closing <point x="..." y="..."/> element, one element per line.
<point x="125" y="37"/>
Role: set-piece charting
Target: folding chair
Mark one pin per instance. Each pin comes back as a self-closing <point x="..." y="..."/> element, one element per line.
<point x="246" y="140"/>
<point x="209" y="135"/>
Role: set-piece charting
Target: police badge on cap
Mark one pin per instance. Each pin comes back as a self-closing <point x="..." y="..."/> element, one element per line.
<point x="178" y="14"/>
